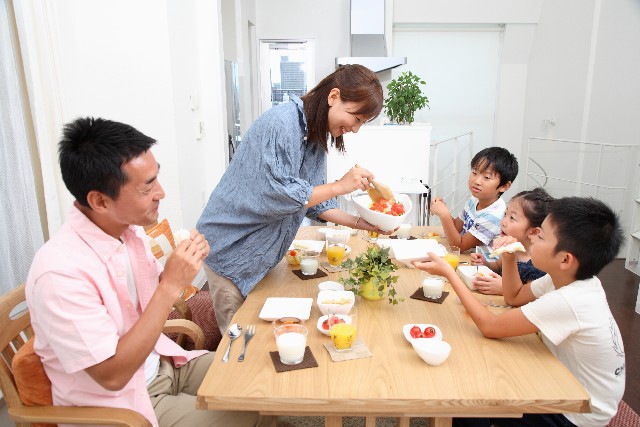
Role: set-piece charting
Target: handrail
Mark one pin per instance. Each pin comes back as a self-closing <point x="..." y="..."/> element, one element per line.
<point x="604" y="144"/>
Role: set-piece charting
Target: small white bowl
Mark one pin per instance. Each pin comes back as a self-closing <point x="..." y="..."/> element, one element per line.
<point x="330" y="285"/>
<point x="346" y="317"/>
<point x="468" y="272"/>
<point x="383" y="221"/>
<point x="325" y="308"/>
<point x="432" y="352"/>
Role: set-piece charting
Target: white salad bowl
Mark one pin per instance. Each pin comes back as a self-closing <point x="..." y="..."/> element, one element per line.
<point x="381" y="220"/>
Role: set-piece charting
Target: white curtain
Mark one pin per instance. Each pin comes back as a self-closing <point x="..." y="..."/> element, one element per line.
<point x="21" y="234"/>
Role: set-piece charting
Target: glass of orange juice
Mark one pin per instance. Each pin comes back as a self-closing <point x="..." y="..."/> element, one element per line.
<point x="453" y="257"/>
<point x="343" y="330"/>
<point x="336" y="247"/>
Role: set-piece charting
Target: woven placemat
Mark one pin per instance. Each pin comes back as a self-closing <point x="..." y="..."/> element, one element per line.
<point x="419" y="294"/>
<point x="332" y="269"/>
<point x="318" y="274"/>
<point x="410" y="238"/>
<point x="309" y="361"/>
<point x="359" y="350"/>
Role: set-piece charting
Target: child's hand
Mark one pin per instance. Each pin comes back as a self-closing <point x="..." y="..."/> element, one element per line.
<point x="436" y="266"/>
<point x="488" y="284"/>
<point x="477" y="259"/>
<point x="498" y="242"/>
<point x="439" y="207"/>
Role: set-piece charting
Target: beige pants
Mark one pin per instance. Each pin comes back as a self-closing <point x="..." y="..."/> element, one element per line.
<point x="173" y="396"/>
<point x="226" y="297"/>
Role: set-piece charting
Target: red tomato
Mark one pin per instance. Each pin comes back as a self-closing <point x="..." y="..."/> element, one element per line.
<point x="334" y="321"/>
<point x="293" y="253"/>
<point x="429" y="332"/>
<point x="397" y="209"/>
<point x="415" y="332"/>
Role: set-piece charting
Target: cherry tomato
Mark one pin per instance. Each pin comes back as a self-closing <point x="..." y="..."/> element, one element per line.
<point x="334" y="321"/>
<point x="293" y="253"/>
<point x="429" y="332"/>
<point x="415" y="332"/>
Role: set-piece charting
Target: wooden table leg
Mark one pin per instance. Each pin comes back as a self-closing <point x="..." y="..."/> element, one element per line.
<point x="332" y="421"/>
<point x="405" y="421"/>
<point x="439" y="422"/>
<point x="369" y="421"/>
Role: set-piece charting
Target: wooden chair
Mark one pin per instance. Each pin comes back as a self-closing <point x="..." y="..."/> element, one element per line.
<point x="15" y="331"/>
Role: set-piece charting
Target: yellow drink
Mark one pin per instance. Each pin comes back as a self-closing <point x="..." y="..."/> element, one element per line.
<point x="373" y="234"/>
<point x="342" y="335"/>
<point x="452" y="259"/>
<point x="335" y="254"/>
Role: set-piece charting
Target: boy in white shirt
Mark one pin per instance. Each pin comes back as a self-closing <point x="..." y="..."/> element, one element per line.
<point x="568" y="306"/>
<point x="492" y="172"/>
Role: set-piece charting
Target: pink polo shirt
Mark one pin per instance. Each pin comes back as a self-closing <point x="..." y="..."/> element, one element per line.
<point x="80" y="307"/>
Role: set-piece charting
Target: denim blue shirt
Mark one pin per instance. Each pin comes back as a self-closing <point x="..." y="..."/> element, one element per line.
<point x="257" y="207"/>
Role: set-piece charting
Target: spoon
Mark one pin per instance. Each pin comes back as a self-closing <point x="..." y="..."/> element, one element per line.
<point x="379" y="191"/>
<point x="235" y="331"/>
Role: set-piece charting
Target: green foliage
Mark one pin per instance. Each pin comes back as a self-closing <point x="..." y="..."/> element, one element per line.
<point x="405" y="98"/>
<point x="375" y="265"/>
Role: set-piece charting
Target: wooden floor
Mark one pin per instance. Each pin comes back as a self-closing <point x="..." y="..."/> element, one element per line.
<point x="621" y="287"/>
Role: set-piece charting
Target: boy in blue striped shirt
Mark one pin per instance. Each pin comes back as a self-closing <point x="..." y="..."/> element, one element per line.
<point x="492" y="172"/>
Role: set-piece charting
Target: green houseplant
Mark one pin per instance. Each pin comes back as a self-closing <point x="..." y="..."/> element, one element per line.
<point x="405" y="98"/>
<point x="370" y="275"/>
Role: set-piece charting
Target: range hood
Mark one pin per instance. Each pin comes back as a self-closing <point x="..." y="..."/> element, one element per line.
<point x="368" y="42"/>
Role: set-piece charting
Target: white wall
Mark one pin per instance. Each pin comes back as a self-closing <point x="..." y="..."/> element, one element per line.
<point x="139" y="62"/>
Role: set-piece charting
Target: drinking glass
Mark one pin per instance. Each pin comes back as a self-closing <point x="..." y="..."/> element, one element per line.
<point x="453" y="257"/>
<point x="404" y="232"/>
<point x="336" y="247"/>
<point x="291" y="340"/>
<point x="343" y="329"/>
<point x="309" y="263"/>
<point x="432" y="286"/>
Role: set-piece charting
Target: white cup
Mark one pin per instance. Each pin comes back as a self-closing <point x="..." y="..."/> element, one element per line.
<point x="309" y="263"/>
<point x="291" y="341"/>
<point x="432" y="286"/>
<point x="404" y="232"/>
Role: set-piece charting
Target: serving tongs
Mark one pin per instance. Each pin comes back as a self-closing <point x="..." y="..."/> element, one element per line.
<point x="379" y="191"/>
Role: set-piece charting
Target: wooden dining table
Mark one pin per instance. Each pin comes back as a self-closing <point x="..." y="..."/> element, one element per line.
<point x="482" y="376"/>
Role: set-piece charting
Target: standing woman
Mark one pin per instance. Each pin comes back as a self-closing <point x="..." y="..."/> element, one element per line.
<point x="277" y="177"/>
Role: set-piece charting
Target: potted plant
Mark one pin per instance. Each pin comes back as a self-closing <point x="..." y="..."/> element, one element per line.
<point x="405" y="98"/>
<point x="370" y="275"/>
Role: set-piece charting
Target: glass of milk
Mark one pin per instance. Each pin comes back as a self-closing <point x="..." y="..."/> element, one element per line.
<point x="291" y="340"/>
<point x="404" y="232"/>
<point x="309" y="263"/>
<point x="432" y="286"/>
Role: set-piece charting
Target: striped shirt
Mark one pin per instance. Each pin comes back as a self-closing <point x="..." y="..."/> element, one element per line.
<point x="483" y="224"/>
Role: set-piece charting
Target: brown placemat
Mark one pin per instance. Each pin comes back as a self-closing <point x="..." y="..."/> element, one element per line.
<point x="410" y="237"/>
<point x="318" y="274"/>
<point x="419" y="294"/>
<point x="359" y="350"/>
<point x="309" y="361"/>
<point x="330" y="268"/>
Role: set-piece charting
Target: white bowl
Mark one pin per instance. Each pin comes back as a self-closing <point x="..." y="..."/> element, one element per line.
<point x="407" y="328"/>
<point x="432" y="352"/>
<point x="383" y="221"/>
<point x="330" y="285"/>
<point x="325" y="307"/>
<point x="346" y="317"/>
<point x="468" y="272"/>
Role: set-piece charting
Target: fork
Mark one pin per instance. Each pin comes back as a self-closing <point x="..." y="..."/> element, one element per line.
<point x="248" y="334"/>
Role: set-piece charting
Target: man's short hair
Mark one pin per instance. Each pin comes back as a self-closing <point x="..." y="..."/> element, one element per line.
<point x="500" y="160"/>
<point x="91" y="153"/>
<point x="588" y="229"/>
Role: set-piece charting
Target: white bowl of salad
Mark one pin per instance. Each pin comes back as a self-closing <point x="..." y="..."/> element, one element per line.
<point x="384" y="215"/>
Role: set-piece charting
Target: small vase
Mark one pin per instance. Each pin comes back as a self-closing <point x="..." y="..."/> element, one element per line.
<point x="370" y="291"/>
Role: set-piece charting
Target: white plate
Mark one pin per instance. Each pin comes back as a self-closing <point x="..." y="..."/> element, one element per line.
<point x="406" y="328"/>
<point x="330" y="285"/>
<point x="325" y="230"/>
<point x="276" y="308"/>
<point x="313" y="245"/>
<point x="406" y="251"/>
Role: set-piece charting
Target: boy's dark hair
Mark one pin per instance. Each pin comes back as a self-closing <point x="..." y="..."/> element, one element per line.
<point x="588" y="229"/>
<point x="357" y="84"/>
<point x="500" y="160"/>
<point x="91" y="153"/>
<point x="535" y="205"/>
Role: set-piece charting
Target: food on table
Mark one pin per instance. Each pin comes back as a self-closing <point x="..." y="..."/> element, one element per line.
<point x="340" y="301"/>
<point x="342" y="335"/>
<point x="293" y="257"/>
<point x="334" y="321"/>
<point x="182" y="234"/>
<point x="511" y="248"/>
<point x="384" y="206"/>
<point x="416" y="332"/>
<point x="335" y="254"/>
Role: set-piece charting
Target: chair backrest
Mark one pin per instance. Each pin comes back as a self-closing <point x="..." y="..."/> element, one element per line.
<point x="15" y="331"/>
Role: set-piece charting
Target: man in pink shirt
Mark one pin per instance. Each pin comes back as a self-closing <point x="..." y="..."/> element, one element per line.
<point x="99" y="300"/>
